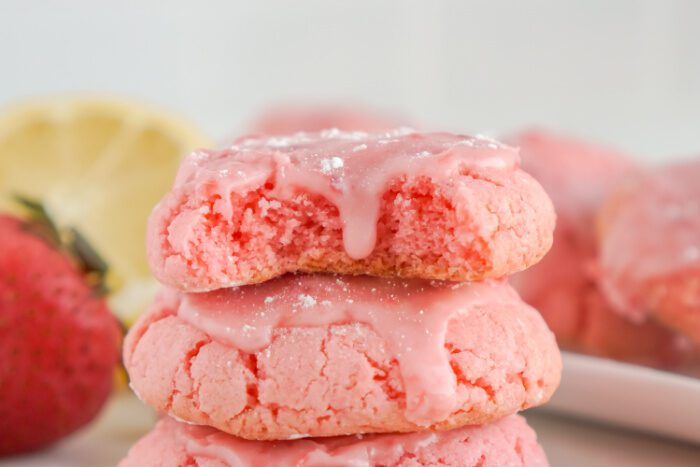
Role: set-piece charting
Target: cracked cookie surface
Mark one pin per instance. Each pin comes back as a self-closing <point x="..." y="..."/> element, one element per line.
<point x="346" y="377"/>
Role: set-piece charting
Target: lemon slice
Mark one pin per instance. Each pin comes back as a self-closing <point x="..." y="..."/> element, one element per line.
<point x="99" y="165"/>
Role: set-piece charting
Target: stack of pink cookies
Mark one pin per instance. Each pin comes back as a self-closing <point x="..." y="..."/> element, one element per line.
<point x="338" y="298"/>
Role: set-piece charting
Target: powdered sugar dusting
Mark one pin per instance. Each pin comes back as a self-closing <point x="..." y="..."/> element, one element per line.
<point x="306" y="301"/>
<point x="330" y="164"/>
<point x="411" y="316"/>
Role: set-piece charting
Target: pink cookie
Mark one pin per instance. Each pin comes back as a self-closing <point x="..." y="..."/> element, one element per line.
<point x="291" y="119"/>
<point x="562" y="286"/>
<point x="650" y="248"/>
<point x="432" y="205"/>
<point x="326" y="355"/>
<point x="509" y="442"/>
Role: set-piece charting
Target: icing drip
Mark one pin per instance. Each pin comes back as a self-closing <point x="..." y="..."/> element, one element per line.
<point x="350" y="169"/>
<point x="410" y="315"/>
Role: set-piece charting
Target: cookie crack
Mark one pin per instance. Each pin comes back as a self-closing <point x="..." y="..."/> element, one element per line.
<point x="187" y="368"/>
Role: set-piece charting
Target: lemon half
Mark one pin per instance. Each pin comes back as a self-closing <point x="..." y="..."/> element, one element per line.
<point x="98" y="165"/>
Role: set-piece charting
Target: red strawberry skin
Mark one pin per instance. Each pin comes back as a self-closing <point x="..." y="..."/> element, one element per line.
<point x="59" y="343"/>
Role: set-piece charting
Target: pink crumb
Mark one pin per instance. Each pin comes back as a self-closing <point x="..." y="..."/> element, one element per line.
<point x="462" y="213"/>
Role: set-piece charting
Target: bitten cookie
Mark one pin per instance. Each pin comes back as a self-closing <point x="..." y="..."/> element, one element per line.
<point x="401" y="203"/>
<point x="650" y="248"/>
<point x="324" y="355"/>
<point x="563" y="286"/>
<point x="509" y="442"/>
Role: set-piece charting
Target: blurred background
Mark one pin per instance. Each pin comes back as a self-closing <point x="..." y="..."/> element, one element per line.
<point x="624" y="72"/>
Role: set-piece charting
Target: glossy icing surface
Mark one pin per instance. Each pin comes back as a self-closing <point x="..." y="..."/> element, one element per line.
<point x="411" y="315"/>
<point x="350" y="169"/>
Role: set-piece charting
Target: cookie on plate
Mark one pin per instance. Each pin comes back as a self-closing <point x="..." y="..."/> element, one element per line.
<point x="563" y="286"/>
<point x="650" y="248"/>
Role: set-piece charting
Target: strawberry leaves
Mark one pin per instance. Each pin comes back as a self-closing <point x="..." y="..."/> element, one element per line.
<point x="67" y="239"/>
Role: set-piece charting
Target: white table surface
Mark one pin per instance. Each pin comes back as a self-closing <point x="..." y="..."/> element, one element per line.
<point x="568" y="442"/>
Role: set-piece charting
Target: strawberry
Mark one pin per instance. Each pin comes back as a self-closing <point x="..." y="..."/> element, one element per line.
<point x="59" y="343"/>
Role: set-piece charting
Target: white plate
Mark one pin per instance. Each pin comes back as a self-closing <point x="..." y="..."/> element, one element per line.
<point x="629" y="396"/>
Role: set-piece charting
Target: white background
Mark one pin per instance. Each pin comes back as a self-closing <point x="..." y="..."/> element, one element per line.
<point x="623" y="72"/>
